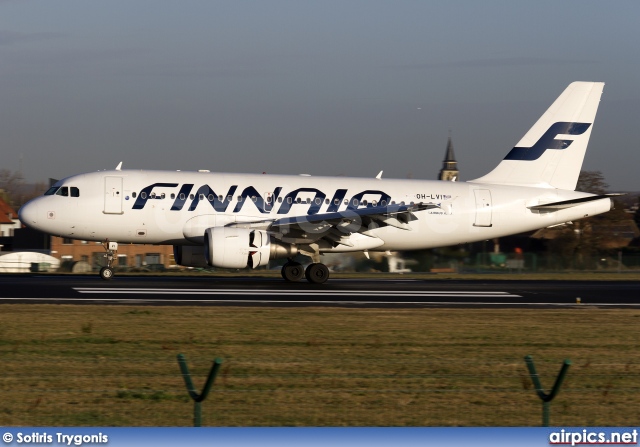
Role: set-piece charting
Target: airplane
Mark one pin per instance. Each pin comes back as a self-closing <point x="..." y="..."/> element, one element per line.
<point x="246" y="220"/>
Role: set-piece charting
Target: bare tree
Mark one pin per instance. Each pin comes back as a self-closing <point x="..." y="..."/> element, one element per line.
<point x="593" y="235"/>
<point x="592" y="182"/>
<point x="10" y="183"/>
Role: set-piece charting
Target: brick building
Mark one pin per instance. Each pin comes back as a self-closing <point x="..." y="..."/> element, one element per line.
<point x="8" y="219"/>
<point x="128" y="256"/>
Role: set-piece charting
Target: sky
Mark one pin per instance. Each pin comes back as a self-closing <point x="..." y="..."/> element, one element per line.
<point x="331" y="87"/>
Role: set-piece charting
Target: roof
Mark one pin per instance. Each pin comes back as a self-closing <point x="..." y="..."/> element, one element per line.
<point x="7" y="214"/>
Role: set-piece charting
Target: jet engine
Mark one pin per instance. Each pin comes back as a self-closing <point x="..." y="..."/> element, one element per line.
<point x="229" y="247"/>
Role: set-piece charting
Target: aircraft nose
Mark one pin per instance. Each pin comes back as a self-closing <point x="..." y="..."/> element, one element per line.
<point x="29" y="213"/>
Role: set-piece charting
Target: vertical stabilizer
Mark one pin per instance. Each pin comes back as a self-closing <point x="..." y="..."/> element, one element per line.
<point x="550" y="155"/>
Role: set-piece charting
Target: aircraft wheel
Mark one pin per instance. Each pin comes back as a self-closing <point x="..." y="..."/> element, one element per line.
<point x="292" y="271"/>
<point x="317" y="273"/>
<point x="106" y="273"/>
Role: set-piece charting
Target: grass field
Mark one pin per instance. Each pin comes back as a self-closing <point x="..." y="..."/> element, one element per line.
<point x="116" y="366"/>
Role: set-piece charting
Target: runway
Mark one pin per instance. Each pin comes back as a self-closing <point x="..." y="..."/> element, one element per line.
<point x="269" y="292"/>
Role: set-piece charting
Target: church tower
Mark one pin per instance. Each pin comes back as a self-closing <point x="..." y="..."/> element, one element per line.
<point x="449" y="171"/>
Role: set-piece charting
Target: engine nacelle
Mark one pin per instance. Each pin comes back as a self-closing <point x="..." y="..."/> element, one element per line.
<point x="237" y="248"/>
<point x="189" y="255"/>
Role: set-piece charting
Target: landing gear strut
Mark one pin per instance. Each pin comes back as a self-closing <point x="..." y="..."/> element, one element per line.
<point x="315" y="273"/>
<point x="106" y="273"/>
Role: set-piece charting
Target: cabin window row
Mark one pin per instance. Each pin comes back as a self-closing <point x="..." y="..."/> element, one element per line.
<point x="269" y="199"/>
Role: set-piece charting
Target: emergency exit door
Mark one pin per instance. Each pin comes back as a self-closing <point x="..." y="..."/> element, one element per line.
<point x="483" y="208"/>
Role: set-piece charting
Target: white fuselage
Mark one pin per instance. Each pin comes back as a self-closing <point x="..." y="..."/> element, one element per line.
<point x="167" y="207"/>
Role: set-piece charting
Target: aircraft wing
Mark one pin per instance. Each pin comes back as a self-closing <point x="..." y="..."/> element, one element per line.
<point x="336" y="227"/>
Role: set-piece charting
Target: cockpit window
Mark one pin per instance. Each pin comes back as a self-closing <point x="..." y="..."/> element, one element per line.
<point x="64" y="191"/>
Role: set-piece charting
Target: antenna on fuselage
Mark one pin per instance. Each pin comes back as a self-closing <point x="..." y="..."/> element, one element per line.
<point x="119" y="167"/>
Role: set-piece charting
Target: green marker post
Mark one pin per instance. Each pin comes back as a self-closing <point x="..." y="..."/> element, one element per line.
<point x="198" y="398"/>
<point x="546" y="398"/>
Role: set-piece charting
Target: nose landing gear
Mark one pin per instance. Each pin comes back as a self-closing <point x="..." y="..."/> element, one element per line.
<point x="111" y="248"/>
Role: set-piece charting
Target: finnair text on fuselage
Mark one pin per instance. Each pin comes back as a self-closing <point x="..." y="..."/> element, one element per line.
<point x="264" y="202"/>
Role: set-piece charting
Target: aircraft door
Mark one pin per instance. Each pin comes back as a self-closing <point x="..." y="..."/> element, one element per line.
<point x="113" y="195"/>
<point x="483" y="208"/>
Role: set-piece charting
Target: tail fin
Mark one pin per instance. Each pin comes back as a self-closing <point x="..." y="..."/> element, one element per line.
<point x="550" y="155"/>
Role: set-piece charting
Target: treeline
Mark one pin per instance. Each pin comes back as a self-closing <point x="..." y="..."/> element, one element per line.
<point x="14" y="190"/>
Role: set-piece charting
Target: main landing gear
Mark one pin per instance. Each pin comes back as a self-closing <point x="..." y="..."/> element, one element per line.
<point x="106" y="273"/>
<point x="315" y="273"/>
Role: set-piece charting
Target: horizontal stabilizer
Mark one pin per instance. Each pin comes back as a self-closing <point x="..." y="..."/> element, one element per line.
<point x="569" y="203"/>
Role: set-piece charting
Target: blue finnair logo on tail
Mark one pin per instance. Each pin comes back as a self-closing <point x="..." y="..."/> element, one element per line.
<point x="548" y="141"/>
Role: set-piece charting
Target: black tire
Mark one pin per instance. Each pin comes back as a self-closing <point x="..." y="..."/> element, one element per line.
<point x="106" y="273"/>
<point x="317" y="273"/>
<point x="292" y="271"/>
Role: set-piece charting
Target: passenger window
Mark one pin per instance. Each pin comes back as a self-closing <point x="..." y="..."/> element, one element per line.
<point x="143" y="195"/>
<point x="336" y="202"/>
<point x="308" y="200"/>
<point x="327" y="201"/>
<point x="318" y="201"/>
<point x="254" y="198"/>
<point x="75" y="192"/>
<point x="173" y="196"/>
<point x="289" y="201"/>
<point x="229" y="198"/>
<point x="153" y="195"/>
<point x="162" y="196"/>
<point x="220" y="198"/>
<point x="210" y="197"/>
<point x="191" y="196"/>
<point x="383" y="203"/>
<point x="201" y="196"/>
<point x="134" y="195"/>
<point x="182" y="196"/>
<point x="239" y="198"/>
